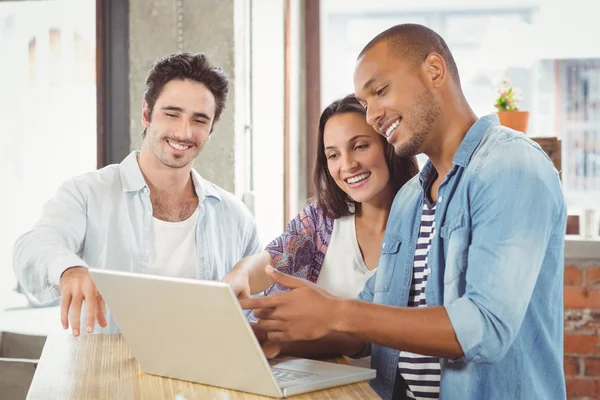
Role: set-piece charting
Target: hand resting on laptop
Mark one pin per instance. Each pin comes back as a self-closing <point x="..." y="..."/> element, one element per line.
<point x="76" y="285"/>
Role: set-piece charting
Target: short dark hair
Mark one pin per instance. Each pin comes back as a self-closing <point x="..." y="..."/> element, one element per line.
<point x="333" y="200"/>
<point x="414" y="43"/>
<point x="181" y="66"/>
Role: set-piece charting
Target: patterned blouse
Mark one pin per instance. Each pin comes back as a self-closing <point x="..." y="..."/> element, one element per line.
<point x="300" y="251"/>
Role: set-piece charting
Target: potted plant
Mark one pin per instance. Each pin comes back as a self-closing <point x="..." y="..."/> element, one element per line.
<point x="507" y="105"/>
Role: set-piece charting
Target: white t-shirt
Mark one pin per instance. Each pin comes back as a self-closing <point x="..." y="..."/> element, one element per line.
<point x="343" y="272"/>
<point x="174" y="248"/>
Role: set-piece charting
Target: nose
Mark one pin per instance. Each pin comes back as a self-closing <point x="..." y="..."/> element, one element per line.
<point x="349" y="163"/>
<point x="374" y="115"/>
<point x="185" y="129"/>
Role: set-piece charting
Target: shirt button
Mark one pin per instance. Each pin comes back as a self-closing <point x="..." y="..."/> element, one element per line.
<point x="147" y="251"/>
<point x="383" y="245"/>
<point x="145" y="190"/>
<point x="441" y="199"/>
<point x="149" y="212"/>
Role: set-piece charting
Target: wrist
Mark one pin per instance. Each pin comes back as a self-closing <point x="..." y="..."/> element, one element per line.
<point x="342" y="311"/>
<point x="71" y="270"/>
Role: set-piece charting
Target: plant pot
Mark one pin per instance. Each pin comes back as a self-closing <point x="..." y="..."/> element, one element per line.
<point x="516" y="120"/>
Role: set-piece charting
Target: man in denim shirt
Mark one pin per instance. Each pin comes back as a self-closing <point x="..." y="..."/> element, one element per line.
<point x="152" y="213"/>
<point x="467" y="300"/>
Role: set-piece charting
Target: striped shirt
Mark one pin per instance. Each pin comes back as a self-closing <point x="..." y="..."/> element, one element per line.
<point x="421" y="374"/>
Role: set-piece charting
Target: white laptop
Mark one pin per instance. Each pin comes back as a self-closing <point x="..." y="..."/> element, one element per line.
<point x="196" y="331"/>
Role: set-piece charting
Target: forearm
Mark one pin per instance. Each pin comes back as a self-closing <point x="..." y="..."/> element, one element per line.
<point x="38" y="264"/>
<point x="54" y="244"/>
<point x="332" y="345"/>
<point x="252" y="268"/>
<point x="425" y="330"/>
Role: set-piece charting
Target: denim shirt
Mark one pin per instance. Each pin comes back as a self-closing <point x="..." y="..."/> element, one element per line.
<point x="496" y="266"/>
<point x="103" y="219"/>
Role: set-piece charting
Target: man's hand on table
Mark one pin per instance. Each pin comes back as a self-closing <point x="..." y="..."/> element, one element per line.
<point x="77" y="286"/>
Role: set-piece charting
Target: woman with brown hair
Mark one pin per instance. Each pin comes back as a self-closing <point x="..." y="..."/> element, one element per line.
<point x="335" y="241"/>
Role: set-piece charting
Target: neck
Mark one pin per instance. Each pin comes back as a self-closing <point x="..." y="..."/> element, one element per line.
<point x="453" y="125"/>
<point x="376" y="212"/>
<point x="160" y="178"/>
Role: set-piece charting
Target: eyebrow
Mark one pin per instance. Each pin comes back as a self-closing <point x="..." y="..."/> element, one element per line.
<point x="370" y="82"/>
<point x="179" y="109"/>
<point x="354" y="139"/>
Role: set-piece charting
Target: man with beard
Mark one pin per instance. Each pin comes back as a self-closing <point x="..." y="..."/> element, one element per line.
<point x="467" y="301"/>
<point x="152" y="213"/>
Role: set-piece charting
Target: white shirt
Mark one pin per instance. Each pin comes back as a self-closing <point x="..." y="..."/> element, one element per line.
<point x="103" y="219"/>
<point x="174" y="247"/>
<point x="343" y="272"/>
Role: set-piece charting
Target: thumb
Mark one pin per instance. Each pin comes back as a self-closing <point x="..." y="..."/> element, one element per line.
<point x="290" y="282"/>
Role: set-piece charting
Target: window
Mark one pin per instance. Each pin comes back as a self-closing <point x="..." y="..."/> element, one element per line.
<point x="47" y="111"/>
<point x="579" y="120"/>
<point x="559" y="81"/>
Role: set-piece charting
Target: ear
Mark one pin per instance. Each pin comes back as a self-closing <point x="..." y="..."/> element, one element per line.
<point x="145" y="115"/>
<point x="435" y="69"/>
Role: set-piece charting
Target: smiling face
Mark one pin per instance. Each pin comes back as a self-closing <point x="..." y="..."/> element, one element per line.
<point x="355" y="157"/>
<point x="180" y="123"/>
<point x="400" y="104"/>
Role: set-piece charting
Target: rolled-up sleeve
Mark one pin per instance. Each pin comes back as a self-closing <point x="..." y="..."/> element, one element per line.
<point x="41" y="255"/>
<point x="301" y="248"/>
<point x="517" y="204"/>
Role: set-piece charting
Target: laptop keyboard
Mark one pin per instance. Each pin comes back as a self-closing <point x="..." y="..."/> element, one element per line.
<point x="285" y="375"/>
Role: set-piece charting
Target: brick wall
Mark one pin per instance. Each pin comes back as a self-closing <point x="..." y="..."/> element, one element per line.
<point x="582" y="328"/>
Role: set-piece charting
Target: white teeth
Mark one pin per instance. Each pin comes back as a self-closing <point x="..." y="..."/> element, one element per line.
<point x="177" y="146"/>
<point x="389" y="130"/>
<point x="358" y="178"/>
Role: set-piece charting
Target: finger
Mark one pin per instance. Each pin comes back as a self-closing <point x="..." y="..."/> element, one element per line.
<point x="64" y="308"/>
<point x="264" y="313"/>
<point x="101" y="312"/>
<point x="90" y="311"/>
<point x="76" y="313"/>
<point x="242" y="295"/>
<point x="270" y="325"/>
<point x="255" y="327"/>
<point x="278" y="336"/>
<point x="261" y="302"/>
<point x="260" y="334"/>
<point x="271" y="349"/>
<point x="290" y="282"/>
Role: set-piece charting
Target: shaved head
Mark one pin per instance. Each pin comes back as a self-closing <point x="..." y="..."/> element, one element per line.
<point x="413" y="43"/>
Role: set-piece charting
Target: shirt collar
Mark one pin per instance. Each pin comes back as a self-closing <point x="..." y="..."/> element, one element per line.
<point x="473" y="138"/>
<point x="133" y="180"/>
<point x="465" y="150"/>
<point x="131" y="174"/>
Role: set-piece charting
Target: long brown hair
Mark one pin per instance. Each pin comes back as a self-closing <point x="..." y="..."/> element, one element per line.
<point x="333" y="200"/>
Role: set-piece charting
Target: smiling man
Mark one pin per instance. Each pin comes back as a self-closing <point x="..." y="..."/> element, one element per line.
<point x="152" y="213"/>
<point x="467" y="300"/>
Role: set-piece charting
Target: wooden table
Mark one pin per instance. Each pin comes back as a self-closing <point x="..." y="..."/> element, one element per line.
<point x="102" y="367"/>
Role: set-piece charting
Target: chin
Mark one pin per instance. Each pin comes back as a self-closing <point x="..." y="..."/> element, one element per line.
<point x="405" y="149"/>
<point x="173" y="162"/>
<point x="362" y="197"/>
